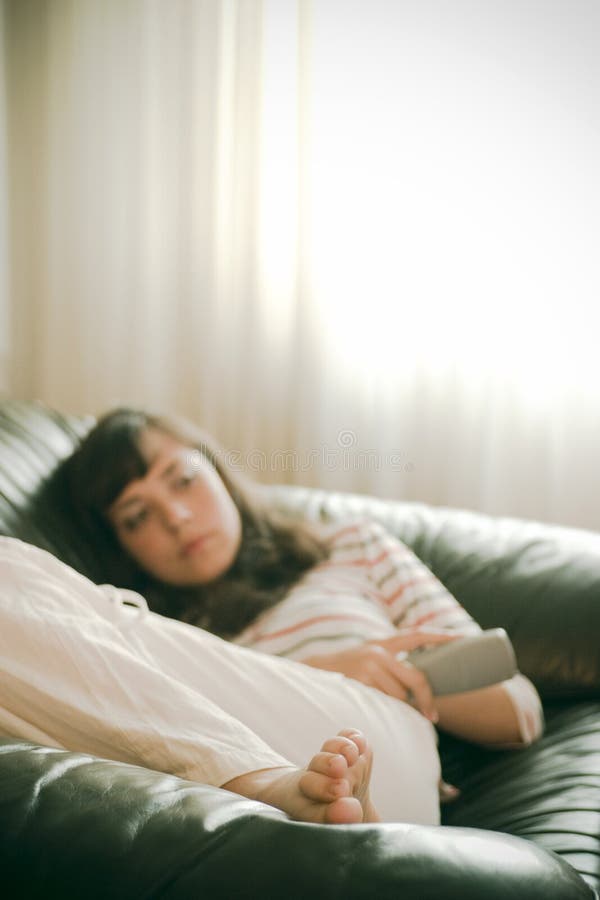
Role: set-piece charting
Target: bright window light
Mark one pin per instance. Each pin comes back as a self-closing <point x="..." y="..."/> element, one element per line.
<point x="455" y="191"/>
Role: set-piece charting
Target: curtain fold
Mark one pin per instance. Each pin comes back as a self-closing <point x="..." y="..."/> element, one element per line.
<point x="357" y="245"/>
<point x="5" y="321"/>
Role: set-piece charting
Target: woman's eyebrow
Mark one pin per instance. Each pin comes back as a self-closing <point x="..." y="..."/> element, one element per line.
<point x="120" y="505"/>
<point x="155" y="469"/>
<point x="169" y="470"/>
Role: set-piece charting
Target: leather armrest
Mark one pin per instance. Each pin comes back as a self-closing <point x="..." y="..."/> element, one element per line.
<point x="74" y="826"/>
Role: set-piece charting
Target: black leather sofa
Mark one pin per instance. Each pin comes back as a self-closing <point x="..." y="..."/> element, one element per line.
<point x="526" y="826"/>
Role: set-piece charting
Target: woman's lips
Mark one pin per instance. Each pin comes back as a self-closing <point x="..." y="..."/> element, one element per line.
<point x="194" y="546"/>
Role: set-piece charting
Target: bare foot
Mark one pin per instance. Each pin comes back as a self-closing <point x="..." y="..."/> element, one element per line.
<point x="333" y="789"/>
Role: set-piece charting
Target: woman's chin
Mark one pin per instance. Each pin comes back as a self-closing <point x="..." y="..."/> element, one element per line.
<point x="202" y="564"/>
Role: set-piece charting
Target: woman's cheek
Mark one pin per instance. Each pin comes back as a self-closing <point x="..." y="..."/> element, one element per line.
<point x="145" y="549"/>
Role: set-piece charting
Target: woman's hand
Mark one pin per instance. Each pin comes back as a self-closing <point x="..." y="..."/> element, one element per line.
<point x="375" y="664"/>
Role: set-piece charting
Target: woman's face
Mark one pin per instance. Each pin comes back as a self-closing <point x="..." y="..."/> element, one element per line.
<point x="178" y="521"/>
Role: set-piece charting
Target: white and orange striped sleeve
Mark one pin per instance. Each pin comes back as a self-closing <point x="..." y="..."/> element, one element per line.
<point x="409" y="592"/>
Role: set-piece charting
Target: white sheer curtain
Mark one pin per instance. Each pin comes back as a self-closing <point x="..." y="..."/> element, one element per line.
<point x="356" y="241"/>
<point x="4" y="290"/>
<point x="456" y="226"/>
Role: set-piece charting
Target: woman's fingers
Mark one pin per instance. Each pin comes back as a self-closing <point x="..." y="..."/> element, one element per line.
<point x="376" y="666"/>
<point x="384" y="679"/>
<point x="419" y="687"/>
<point x="399" y="679"/>
<point x="411" y="640"/>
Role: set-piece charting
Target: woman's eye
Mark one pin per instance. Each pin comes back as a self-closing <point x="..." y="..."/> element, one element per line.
<point x="133" y="522"/>
<point x="185" y="479"/>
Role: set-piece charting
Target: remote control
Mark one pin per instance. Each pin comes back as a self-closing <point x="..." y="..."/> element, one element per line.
<point x="467" y="663"/>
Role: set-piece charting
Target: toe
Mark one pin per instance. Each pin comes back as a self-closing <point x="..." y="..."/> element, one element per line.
<point x="344" y="746"/>
<point x="323" y="789"/>
<point x="357" y="737"/>
<point x="346" y="811"/>
<point x="332" y="764"/>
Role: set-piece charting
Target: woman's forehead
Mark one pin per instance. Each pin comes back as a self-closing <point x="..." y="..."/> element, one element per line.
<point x="163" y="455"/>
<point x="155" y="444"/>
<point x="163" y="452"/>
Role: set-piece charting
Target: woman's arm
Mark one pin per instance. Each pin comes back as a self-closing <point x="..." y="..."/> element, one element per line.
<point x="485" y="716"/>
<point x="508" y="714"/>
<point x="416" y="601"/>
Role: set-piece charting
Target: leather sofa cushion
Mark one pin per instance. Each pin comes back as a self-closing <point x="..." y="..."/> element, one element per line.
<point x="72" y="826"/>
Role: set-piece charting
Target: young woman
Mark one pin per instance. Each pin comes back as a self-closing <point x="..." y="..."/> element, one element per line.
<point x="194" y="537"/>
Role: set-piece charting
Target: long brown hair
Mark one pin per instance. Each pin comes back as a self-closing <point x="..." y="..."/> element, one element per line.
<point x="273" y="554"/>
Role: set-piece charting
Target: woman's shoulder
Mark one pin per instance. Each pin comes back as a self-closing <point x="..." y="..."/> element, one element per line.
<point x="357" y="533"/>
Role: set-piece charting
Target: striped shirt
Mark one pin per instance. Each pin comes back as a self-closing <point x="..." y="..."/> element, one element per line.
<point x="370" y="585"/>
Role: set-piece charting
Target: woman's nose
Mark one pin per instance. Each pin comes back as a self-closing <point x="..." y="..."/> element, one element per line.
<point x="175" y="514"/>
